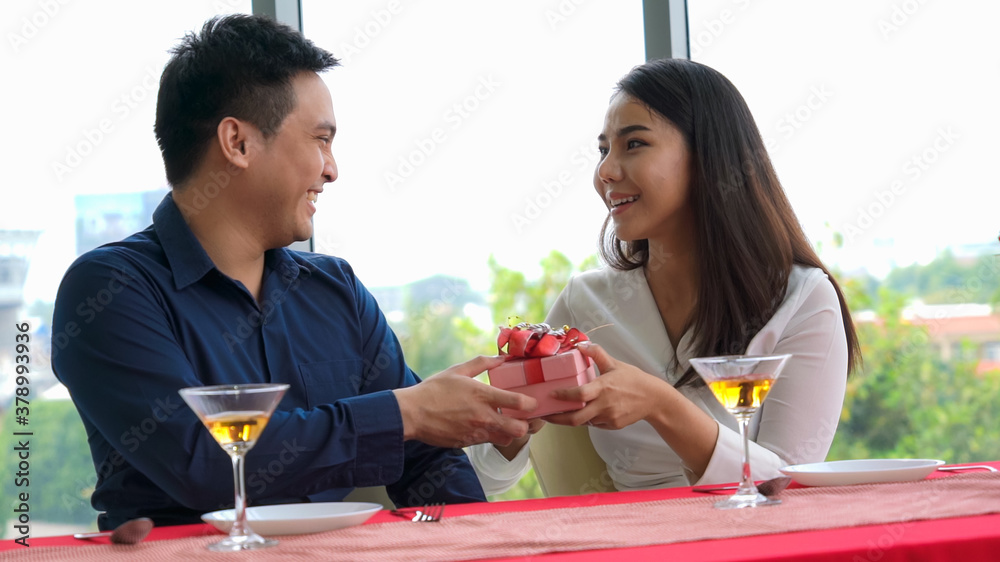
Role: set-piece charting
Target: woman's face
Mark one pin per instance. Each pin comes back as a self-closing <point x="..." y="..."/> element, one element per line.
<point x="643" y="172"/>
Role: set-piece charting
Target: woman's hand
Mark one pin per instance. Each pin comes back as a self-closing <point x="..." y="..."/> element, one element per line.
<point x="621" y="396"/>
<point x="511" y="450"/>
<point x="624" y="394"/>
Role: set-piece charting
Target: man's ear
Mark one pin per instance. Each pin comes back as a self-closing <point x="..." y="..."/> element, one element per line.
<point x="235" y="138"/>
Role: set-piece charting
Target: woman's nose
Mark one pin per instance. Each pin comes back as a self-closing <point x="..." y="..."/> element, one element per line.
<point x="608" y="170"/>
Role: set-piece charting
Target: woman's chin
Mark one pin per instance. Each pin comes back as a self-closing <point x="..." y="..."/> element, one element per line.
<point x="627" y="236"/>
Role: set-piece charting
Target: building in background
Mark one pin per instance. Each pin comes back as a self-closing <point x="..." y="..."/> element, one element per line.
<point x="16" y="247"/>
<point x="968" y="332"/>
<point x="108" y="217"/>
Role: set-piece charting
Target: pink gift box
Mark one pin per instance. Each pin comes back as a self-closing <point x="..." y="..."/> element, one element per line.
<point x="537" y="377"/>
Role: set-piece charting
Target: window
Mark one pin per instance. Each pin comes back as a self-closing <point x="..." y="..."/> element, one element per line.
<point x="878" y="116"/>
<point x="467" y="129"/>
<point x="880" y="121"/>
<point x="81" y="168"/>
<point x="991" y="351"/>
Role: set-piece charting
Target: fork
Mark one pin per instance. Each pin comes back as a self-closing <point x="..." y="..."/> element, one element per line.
<point x="431" y="513"/>
<point x="971" y="467"/>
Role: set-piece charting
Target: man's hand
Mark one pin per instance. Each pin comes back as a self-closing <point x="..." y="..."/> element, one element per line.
<point x="450" y="409"/>
<point x="511" y="450"/>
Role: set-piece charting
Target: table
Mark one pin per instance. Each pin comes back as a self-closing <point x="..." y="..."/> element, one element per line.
<point x="959" y="538"/>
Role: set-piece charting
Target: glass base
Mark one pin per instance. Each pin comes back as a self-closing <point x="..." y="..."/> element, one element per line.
<point x="252" y="541"/>
<point x="738" y="501"/>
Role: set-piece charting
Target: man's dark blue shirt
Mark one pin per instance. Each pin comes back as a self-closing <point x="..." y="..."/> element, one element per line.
<point x="152" y="314"/>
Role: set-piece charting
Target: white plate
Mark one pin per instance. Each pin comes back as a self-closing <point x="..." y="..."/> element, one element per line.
<point x="297" y="518"/>
<point x="868" y="471"/>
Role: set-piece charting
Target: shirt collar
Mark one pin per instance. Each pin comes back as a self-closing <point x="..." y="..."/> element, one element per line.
<point x="288" y="264"/>
<point x="188" y="260"/>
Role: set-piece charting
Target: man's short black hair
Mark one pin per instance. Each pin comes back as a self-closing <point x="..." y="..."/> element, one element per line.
<point x="238" y="66"/>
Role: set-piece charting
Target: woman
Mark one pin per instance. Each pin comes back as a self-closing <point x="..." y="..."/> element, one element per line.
<point x="706" y="258"/>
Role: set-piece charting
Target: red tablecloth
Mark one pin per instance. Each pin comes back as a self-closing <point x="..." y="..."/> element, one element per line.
<point x="962" y="538"/>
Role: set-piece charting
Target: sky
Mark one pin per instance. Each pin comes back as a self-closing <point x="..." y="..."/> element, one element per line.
<point x="468" y="128"/>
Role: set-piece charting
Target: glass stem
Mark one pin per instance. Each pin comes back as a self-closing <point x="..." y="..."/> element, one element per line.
<point x="746" y="483"/>
<point x="240" y="506"/>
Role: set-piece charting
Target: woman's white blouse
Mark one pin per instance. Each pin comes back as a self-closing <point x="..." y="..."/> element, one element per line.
<point x="795" y="425"/>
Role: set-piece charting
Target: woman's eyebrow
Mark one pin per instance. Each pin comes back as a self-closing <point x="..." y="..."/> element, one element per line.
<point x="624" y="131"/>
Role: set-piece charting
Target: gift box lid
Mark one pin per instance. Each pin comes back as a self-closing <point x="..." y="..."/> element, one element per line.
<point x="522" y="371"/>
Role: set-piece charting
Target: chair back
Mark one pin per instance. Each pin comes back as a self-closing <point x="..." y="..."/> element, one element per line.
<point x="373" y="494"/>
<point x="566" y="463"/>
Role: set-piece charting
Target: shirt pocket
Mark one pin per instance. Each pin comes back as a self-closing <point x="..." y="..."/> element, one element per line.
<point x="328" y="381"/>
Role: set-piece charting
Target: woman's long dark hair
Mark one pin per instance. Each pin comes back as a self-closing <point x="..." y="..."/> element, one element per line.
<point x="747" y="234"/>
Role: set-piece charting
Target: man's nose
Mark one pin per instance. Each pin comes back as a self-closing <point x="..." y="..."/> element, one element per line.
<point x="330" y="170"/>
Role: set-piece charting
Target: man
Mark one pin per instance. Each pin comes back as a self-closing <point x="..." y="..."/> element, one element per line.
<point x="208" y="294"/>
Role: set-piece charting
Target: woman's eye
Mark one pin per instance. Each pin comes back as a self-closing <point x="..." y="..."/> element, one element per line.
<point x="634" y="144"/>
<point x="603" y="150"/>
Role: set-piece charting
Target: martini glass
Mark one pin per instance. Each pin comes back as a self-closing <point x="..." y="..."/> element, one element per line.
<point x="235" y="415"/>
<point x="741" y="383"/>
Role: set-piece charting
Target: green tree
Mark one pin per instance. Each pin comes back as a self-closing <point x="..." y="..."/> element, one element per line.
<point x="948" y="280"/>
<point x="875" y="414"/>
<point x="429" y="336"/>
<point x="908" y="402"/>
<point x="512" y="294"/>
<point x="434" y="332"/>
<point x="60" y="475"/>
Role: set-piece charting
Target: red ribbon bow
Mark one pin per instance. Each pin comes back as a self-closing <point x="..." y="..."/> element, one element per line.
<point x="537" y="340"/>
